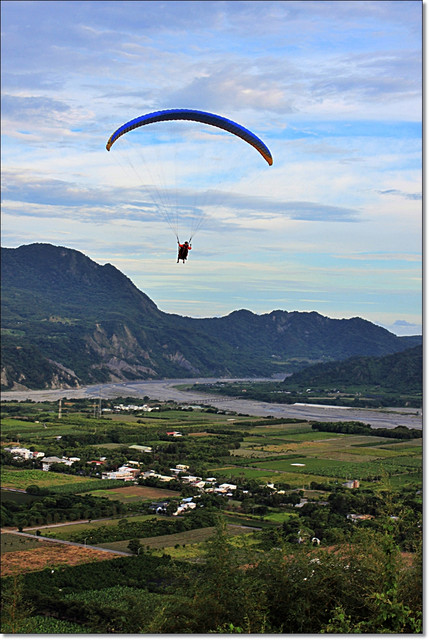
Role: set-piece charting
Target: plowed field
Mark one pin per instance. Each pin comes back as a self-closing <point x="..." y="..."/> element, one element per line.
<point x="135" y="493"/>
<point x="51" y="555"/>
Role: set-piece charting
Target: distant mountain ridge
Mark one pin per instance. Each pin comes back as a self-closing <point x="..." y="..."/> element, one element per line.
<point x="399" y="372"/>
<point x="68" y="321"/>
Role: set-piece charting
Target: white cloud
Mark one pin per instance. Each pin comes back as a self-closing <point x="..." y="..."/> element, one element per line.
<point x="333" y="88"/>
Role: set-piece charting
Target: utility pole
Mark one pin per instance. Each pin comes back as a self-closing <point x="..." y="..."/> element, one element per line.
<point x="59" y="408"/>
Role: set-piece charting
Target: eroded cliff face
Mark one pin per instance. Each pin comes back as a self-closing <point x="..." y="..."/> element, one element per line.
<point x="119" y="355"/>
<point x="122" y="356"/>
<point x="180" y="359"/>
<point x="55" y="376"/>
<point x="121" y="344"/>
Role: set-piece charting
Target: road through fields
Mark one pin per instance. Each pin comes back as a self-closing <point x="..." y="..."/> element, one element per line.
<point x="167" y="390"/>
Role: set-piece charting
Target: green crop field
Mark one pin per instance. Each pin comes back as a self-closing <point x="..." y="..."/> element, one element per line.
<point x="296" y="480"/>
<point x="115" y="597"/>
<point x="23" y="478"/>
<point x="308" y="465"/>
<point x="411" y="446"/>
<point x="168" y="542"/>
<point x="235" y="472"/>
<point x="373" y="452"/>
<point x="245" y="452"/>
<point x="64" y="532"/>
<point x="279" y="516"/>
<point x="14" y="542"/>
<point x="406" y="479"/>
<point x="307" y="436"/>
<point x="9" y="424"/>
<point x="281" y="429"/>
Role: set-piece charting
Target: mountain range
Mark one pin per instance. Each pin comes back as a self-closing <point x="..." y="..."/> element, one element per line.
<point x="68" y="321"/>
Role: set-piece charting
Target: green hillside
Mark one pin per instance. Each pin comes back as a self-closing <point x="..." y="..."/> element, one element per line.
<point x="400" y="372"/>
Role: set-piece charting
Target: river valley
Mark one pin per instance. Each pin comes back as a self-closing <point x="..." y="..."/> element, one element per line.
<point x="167" y="390"/>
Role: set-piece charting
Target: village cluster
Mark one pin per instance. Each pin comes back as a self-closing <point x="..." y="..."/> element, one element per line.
<point x="132" y="472"/>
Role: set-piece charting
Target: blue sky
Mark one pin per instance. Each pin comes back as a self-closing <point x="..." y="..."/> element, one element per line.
<point x="334" y="89"/>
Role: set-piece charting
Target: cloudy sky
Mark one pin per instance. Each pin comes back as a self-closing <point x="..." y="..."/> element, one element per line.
<point x="334" y="89"/>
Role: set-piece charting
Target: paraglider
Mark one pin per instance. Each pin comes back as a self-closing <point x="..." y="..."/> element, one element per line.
<point x="183" y="251"/>
<point x="168" y="210"/>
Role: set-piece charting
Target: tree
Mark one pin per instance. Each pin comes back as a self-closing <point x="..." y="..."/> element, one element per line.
<point x="134" y="546"/>
<point x="33" y="489"/>
<point x="172" y="507"/>
<point x="225" y="592"/>
<point x="15" y="611"/>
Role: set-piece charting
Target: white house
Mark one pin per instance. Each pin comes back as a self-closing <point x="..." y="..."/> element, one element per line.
<point x="225" y="487"/>
<point x="351" y="484"/>
<point x="49" y="460"/>
<point x="191" y="479"/>
<point x="131" y="470"/>
<point x="20" y="452"/>
<point x="117" y="475"/>
<point x="184" y="507"/>
<point x="152" y="474"/>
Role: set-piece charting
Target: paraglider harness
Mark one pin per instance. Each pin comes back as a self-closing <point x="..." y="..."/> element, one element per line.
<point x="183" y="250"/>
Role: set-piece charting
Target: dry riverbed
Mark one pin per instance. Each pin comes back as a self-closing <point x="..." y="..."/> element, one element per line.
<point x="167" y="390"/>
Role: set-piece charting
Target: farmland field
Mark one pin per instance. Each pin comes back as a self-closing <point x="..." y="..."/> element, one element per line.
<point x="172" y="417"/>
<point x="247" y="452"/>
<point x="12" y="542"/>
<point x="301" y="465"/>
<point x="301" y="479"/>
<point x="23" y="478"/>
<point x="130" y="580"/>
<point x="412" y="479"/>
<point x="245" y="472"/>
<point x="413" y="446"/>
<point x="117" y="596"/>
<point x="294" y="478"/>
<point x="281" y="429"/>
<point x="12" y="423"/>
<point x="13" y="429"/>
<point x="323" y="445"/>
<point x="50" y="555"/>
<point x="280" y="516"/>
<point x="135" y="493"/>
<point x="301" y="436"/>
<point x="66" y="531"/>
<point x="168" y="542"/>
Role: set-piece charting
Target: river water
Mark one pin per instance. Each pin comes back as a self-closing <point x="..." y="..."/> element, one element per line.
<point x="166" y="390"/>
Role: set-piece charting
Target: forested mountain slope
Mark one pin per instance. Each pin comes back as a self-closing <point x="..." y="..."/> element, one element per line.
<point x="67" y="320"/>
<point x="401" y="372"/>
